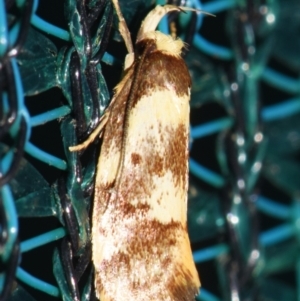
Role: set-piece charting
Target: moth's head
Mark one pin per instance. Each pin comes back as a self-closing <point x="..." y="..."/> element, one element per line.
<point x="153" y="18"/>
<point x="147" y="31"/>
<point x="163" y="42"/>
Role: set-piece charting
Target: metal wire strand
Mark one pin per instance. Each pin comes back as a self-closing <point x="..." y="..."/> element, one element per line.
<point x="3" y="226"/>
<point x="105" y="38"/>
<point x="91" y="77"/>
<point x="66" y="255"/>
<point x="85" y="28"/>
<point x="83" y="261"/>
<point x="78" y="105"/>
<point x="91" y="72"/>
<point x="24" y="27"/>
<point x="91" y="292"/>
<point x="7" y="80"/>
<point x="69" y="214"/>
<point x="18" y="154"/>
<point x="9" y="4"/>
<point x="10" y="271"/>
<point x="94" y="12"/>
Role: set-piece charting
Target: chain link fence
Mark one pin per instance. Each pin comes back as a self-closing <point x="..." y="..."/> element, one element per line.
<point x="59" y="62"/>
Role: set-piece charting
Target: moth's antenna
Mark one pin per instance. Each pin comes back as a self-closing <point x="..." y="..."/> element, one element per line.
<point x="154" y="17"/>
<point x="124" y="31"/>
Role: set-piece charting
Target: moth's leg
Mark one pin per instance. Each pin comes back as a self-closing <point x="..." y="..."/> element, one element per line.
<point x="124" y="31"/>
<point x="97" y="131"/>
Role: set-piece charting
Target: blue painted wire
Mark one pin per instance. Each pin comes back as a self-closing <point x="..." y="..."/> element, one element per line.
<point x="45" y="157"/>
<point x="12" y="221"/>
<point x="211" y="49"/>
<point x="163" y="26"/>
<point x="265" y="237"/>
<point x="280" y="81"/>
<point x="6" y="161"/>
<point x="198" y="41"/>
<point x="199" y="6"/>
<point x="37" y="283"/>
<point x="274" y="112"/>
<point x="212" y="7"/>
<point x="2" y="278"/>
<point x="282" y="110"/>
<point x="277" y="234"/>
<point x="64" y="35"/>
<point x="298" y="278"/>
<point x="5" y="100"/>
<point x="215" y="7"/>
<point x="210" y="253"/>
<point x="49" y="116"/>
<point x="50" y="28"/>
<point x="110" y="60"/>
<point x="270" y="113"/>
<point x="206" y="296"/>
<point x="3" y="29"/>
<point x="30" y="148"/>
<point x="273" y="208"/>
<point x="22" y="110"/>
<point x="205" y="174"/>
<point x="41" y="25"/>
<point x="35" y="5"/>
<point x="20" y="3"/>
<point x="42" y="239"/>
<point x="206" y="46"/>
<point x="13" y="34"/>
<point x="211" y="127"/>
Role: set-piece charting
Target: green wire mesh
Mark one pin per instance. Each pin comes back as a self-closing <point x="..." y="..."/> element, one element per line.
<point x="59" y="61"/>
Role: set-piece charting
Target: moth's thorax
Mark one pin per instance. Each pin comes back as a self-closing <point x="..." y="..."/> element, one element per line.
<point x="161" y="70"/>
<point x="165" y="43"/>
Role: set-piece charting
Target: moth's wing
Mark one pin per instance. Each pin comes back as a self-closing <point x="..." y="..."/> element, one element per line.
<point x="141" y="249"/>
<point x="154" y="180"/>
<point x="111" y="148"/>
<point x="106" y="176"/>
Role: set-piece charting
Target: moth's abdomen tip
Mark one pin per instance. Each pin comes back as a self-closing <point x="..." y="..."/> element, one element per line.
<point x="137" y="291"/>
<point x="144" y="271"/>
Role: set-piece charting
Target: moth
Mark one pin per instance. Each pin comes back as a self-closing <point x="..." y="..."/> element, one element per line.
<point x="141" y="249"/>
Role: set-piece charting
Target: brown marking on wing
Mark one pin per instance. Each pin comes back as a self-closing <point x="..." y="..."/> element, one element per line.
<point x="128" y="210"/>
<point x="184" y="290"/>
<point x="151" y="244"/>
<point x="176" y="156"/>
<point x="136" y="158"/>
<point x="159" y="71"/>
<point x="137" y="178"/>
